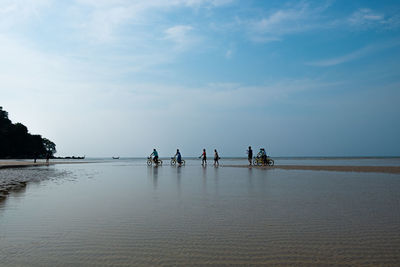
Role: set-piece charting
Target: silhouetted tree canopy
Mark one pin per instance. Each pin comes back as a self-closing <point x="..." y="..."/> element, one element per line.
<point x="17" y="142"/>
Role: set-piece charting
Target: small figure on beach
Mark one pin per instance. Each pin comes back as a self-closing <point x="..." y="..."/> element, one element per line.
<point x="47" y="157"/>
<point x="34" y="157"/>
<point x="178" y="157"/>
<point x="204" y="157"/>
<point x="250" y="155"/>
<point x="216" y="158"/>
<point x="263" y="155"/>
<point x="155" y="156"/>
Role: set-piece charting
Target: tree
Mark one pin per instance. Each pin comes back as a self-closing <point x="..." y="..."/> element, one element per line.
<point x="49" y="146"/>
<point x="17" y="142"/>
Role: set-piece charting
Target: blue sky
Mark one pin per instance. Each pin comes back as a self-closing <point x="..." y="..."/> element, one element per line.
<point x="301" y="78"/>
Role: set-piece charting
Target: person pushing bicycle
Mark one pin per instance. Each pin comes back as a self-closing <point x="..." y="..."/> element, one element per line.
<point x="204" y="157"/>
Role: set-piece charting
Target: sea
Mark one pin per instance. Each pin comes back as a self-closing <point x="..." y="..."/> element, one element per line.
<point x="106" y="212"/>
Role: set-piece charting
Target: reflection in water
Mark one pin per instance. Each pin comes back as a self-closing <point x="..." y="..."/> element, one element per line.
<point x="255" y="217"/>
<point x="178" y="179"/>
<point x="153" y="173"/>
<point x="204" y="176"/>
<point x="216" y="182"/>
<point x="250" y="180"/>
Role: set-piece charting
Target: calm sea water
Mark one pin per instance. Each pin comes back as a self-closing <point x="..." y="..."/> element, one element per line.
<point x="123" y="213"/>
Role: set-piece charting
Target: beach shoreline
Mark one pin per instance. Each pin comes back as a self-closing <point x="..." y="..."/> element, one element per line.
<point x="15" y="183"/>
<point x="338" y="168"/>
<point x="21" y="164"/>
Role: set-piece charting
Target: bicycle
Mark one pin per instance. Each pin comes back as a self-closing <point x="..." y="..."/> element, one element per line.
<point x="174" y="161"/>
<point x="259" y="161"/>
<point x="150" y="161"/>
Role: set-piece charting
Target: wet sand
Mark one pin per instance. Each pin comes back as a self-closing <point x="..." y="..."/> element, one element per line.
<point x="20" y="164"/>
<point x="17" y="180"/>
<point x="9" y="184"/>
<point x="123" y="213"/>
<point x="374" y="169"/>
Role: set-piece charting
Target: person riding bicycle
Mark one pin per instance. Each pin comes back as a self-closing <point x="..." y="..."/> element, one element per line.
<point x="155" y="154"/>
<point x="263" y="155"/>
<point x="178" y="157"/>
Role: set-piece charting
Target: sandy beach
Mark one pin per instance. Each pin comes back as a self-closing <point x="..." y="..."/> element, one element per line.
<point x="18" y="179"/>
<point x="373" y="169"/>
<point x="20" y="164"/>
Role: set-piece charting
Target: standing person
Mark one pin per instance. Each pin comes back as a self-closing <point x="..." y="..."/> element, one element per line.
<point x="155" y="158"/>
<point x="178" y="157"/>
<point x="47" y="157"/>
<point x="34" y="157"/>
<point x="216" y="158"/>
<point x="204" y="159"/>
<point x="250" y="155"/>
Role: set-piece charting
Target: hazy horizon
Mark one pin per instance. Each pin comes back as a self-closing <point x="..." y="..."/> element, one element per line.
<point x="119" y="78"/>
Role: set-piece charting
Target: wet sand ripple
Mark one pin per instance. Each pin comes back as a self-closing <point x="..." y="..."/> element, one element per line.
<point x="376" y="169"/>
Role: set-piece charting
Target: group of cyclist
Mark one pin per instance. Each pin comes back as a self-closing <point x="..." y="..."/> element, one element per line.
<point x="262" y="155"/>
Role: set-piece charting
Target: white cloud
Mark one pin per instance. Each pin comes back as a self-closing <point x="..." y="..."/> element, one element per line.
<point x="290" y="20"/>
<point x="14" y="12"/>
<point x="344" y="58"/>
<point x="365" y="17"/>
<point x="362" y="52"/>
<point x="305" y="17"/>
<point x="181" y="36"/>
<point x="106" y="17"/>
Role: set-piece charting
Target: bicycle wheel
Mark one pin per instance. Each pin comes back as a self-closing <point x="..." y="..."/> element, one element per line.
<point x="160" y="162"/>
<point x="271" y="162"/>
<point x="149" y="162"/>
<point x="255" y="162"/>
<point x="173" y="162"/>
<point x="183" y="162"/>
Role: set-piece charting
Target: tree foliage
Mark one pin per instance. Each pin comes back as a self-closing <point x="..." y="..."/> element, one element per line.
<point x="17" y="142"/>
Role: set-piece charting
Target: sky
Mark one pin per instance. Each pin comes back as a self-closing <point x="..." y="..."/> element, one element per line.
<point x="119" y="78"/>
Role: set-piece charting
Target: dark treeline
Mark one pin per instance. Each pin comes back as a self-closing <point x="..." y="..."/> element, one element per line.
<point x="17" y="142"/>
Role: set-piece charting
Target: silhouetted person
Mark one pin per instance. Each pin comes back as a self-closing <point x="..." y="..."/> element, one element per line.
<point x="155" y="158"/>
<point x="216" y="158"/>
<point x="178" y="157"/>
<point x="250" y="155"/>
<point x="204" y="157"/>
<point x="34" y="157"/>
<point x="47" y="157"/>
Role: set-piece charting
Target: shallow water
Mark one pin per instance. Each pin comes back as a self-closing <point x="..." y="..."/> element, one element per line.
<point x="123" y="213"/>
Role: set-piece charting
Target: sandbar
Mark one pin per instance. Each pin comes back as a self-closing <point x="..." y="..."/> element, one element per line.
<point x="376" y="169"/>
<point x="18" y="164"/>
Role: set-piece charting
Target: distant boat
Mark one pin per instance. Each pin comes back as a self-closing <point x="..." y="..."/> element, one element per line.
<point x="115" y="157"/>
